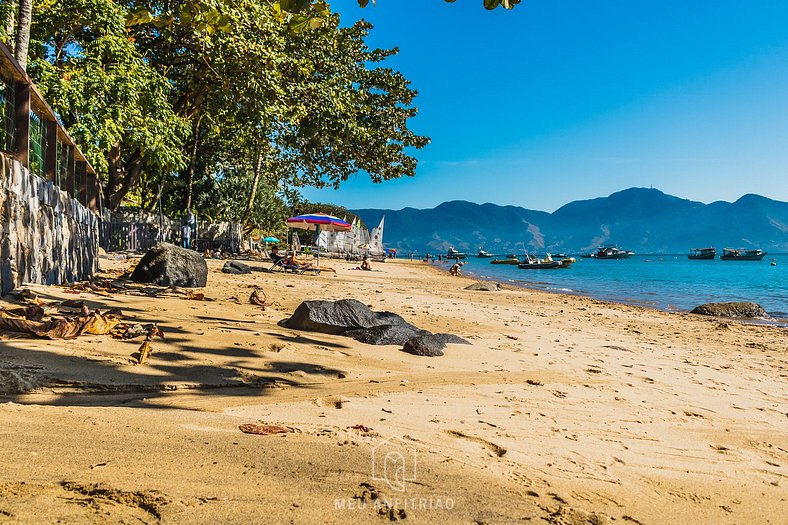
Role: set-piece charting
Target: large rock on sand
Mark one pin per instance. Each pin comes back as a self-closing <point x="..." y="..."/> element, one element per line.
<point x="337" y="317"/>
<point x="396" y="334"/>
<point x="484" y="286"/>
<point x="745" y="310"/>
<point x="236" y="268"/>
<point x="168" y="265"/>
<point x="431" y="345"/>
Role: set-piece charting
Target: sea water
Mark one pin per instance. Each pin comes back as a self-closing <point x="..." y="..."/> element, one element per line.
<point x="666" y="282"/>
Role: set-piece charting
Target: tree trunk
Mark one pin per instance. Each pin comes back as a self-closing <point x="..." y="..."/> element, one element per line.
<point x="23" y="32"/>
<point x="258" y="168"/>
<point x="192" y="165"/>
<point x="123" y="175"/>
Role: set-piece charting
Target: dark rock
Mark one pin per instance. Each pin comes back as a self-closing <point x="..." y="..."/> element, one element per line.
<point x="452" y="339"/>
<point x="425" y="346"/>
<point x="397" y="334"/>
<point x="235" y="267"/>
<point x="337" y="317"/>
<point x="746" y="310"/>
<point x="484" y="286"/>
<point x="168" y="265"/>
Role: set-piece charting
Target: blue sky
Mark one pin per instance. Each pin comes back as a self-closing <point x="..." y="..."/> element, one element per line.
<point x="559" y="100"/>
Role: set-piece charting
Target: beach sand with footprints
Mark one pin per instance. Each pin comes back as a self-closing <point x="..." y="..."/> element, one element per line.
<point x="563" y="410"/>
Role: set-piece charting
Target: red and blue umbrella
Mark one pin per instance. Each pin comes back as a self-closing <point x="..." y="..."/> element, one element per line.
<point x="318" y="222"/>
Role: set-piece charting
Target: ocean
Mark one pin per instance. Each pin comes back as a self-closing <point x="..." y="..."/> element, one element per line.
<point x="665" y="282"/>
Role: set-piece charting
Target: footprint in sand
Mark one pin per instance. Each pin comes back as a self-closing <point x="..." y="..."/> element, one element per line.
<point x="331" y="401"/>
<point x="495" y="449"/>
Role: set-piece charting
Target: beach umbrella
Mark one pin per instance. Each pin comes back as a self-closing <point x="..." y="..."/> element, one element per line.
<point x="270" y="239"/>
<point x="317" y="222"/>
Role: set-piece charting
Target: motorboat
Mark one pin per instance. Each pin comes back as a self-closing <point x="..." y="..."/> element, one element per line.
<point x="611" y="251"/>
<point x="533" y="263"/>
<point x="731" y="254"/>
<point x="483" y="255"/>
<point x="702" y="254"/>
<point x="454" y="254"/>
<point x="566" y="262"/>
<point x="508" y="260"/>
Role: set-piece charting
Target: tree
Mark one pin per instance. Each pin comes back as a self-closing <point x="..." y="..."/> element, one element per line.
<point x="107" y="94"/>
<point x="188" y="97"/>
<point x="22" y="39"/>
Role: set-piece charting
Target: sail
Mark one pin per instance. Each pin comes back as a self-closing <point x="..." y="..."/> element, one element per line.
<point x="376" y="238"/>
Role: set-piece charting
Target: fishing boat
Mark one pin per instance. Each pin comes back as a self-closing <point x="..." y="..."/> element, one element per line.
<point x="508" y="260"/>
<point x="454" y="254"/>
<point x="483" y="255"/>
<point x="611" y="251"/>
<point x="731" y="254"/>
<point x="532" y="263"/>
<point x="702" y="253"/>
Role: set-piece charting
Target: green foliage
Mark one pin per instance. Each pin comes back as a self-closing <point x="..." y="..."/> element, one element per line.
<point x="220" y="103"/>
<point x="102" y="87"/>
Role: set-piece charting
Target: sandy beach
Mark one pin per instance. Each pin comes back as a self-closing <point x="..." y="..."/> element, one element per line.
<point x="563" y="410"/>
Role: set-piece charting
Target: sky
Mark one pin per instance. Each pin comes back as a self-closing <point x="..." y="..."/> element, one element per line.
<point x="560" y="100"/>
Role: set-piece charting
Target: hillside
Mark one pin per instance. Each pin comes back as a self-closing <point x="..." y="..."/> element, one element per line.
<point x="640" y="219"/>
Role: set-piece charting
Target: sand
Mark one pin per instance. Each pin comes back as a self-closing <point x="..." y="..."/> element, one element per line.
<point x="562" y="410"/>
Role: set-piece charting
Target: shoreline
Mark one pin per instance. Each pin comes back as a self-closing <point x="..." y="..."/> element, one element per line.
<point x="564" y="408"/>
<point x="777" y="321"/>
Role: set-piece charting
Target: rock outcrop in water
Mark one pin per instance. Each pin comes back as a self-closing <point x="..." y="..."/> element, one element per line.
<point x="745" y="310"/>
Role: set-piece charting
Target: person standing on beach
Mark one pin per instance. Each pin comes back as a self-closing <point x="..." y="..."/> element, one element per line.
<point x="187" y="235"/>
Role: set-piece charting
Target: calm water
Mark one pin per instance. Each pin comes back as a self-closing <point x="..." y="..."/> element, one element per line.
<point x="668" y="282"/>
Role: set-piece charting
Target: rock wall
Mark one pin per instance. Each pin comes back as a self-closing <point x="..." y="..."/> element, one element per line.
<point x="46" y="236"/>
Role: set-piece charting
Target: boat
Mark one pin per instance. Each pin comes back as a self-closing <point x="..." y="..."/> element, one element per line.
<point x="511" y="256"/>
<point x="566" y="262"/>
<point x="508" y="260"/>
<point x="587" y="256"/>
<point x="611" y="251"/>
<point x="454" y="254"/>
<point x="560" y="256"/>
<point x="702" y="253"/>
<point x="483" y="255"/>
<point x="731" y="254"/>
<point x="629" y="254"/>
<point x="532" y="263"/>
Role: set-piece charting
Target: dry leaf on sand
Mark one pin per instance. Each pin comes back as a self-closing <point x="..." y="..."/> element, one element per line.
<point x="144" y="352"/>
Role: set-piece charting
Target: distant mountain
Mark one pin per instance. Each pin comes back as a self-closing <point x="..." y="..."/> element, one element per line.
<point x="640" y="219"/>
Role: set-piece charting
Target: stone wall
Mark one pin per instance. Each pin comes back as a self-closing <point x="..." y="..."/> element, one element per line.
<point x="46" y="236"/>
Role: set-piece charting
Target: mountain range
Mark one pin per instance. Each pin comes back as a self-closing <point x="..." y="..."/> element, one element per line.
<point x="645" y="220"/>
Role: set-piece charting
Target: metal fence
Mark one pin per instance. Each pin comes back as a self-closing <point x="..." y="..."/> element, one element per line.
<point x="138" y="236"/>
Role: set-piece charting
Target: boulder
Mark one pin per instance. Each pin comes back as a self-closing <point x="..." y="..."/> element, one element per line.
<point x="484" y="286"/>
<point x="337" y="317"/>
<point x="235" y="267"/>
<point x="425" y="346"/>
<point x="743" y="309"/>
<point x="452" y="339"/>
<point x="168" y="265"/>
<point x="396" y="334"/>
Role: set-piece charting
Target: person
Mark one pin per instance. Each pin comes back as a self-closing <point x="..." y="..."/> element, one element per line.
<point x="455" y="269"/>
<point x="275" y="255"/>
<point x="187" y="235"/>
<point x="366" y="264"/>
